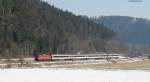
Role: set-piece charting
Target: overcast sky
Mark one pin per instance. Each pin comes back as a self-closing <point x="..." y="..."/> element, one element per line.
<point x="104" y="7"/>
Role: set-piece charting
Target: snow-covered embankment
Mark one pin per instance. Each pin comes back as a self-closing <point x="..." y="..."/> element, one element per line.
<point x="64" y="75"/>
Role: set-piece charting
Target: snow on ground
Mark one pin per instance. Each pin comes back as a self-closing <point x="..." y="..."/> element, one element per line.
<point x="68" y="75"/>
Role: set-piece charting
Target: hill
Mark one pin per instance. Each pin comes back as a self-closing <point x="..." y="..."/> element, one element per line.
<point x="129" y="30"/>
<point x="28" y="27"/>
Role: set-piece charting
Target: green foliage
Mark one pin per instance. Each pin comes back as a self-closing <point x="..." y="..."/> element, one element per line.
<point x="32" y="26"/>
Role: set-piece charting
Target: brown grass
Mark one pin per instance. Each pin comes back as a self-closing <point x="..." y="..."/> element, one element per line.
<point x="139" y="65"/>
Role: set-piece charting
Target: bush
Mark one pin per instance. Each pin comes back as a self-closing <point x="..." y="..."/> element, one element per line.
<point x="148" y="56"/>
<point x="8" y="66"/>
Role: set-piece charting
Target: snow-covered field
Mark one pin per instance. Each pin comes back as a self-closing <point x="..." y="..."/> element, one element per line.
<point x="68" y="75"/>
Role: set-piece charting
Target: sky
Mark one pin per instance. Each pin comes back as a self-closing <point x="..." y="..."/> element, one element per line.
<point x="95" y="8"/>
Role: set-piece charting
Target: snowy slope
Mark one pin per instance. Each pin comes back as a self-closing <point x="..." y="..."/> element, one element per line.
<point x="64" y="75"/>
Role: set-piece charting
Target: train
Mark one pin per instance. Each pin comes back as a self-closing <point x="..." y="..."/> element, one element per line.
<point x="53" y="57"/>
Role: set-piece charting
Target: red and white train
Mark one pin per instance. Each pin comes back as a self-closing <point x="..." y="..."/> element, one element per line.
<point x="52" y="57"/>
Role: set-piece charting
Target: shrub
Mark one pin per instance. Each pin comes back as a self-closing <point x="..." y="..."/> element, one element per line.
<point x="148" y="56"/>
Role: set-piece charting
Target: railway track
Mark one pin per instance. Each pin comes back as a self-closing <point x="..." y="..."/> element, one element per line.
<point x="61" y="60"/>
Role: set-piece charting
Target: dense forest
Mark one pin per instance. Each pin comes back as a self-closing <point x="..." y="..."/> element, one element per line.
<point x="28" y="27"/>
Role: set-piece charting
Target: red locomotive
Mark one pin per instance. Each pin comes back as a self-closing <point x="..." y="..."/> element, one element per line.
<point x="43" y="57"/>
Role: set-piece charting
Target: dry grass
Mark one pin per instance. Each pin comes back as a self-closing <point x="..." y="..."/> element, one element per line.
<point x="139" y="65"/>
